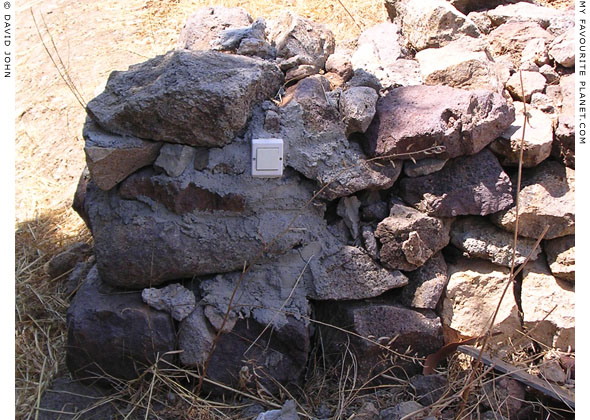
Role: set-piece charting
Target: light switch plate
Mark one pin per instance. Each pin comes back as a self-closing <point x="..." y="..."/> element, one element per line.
<point x="267" y="158"/>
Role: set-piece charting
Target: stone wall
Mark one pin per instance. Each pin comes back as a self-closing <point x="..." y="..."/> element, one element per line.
<point x="394" y="216"/>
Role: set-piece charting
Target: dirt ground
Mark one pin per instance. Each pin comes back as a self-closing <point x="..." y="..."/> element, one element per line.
<point x="86" y="41"/>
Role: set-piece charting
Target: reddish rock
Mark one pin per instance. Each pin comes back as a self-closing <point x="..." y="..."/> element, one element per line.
<point x="474" y="185"/>
<point x="416" y="118"/>
<point x="114" y="333"/>
<point x="382" y="322"/>
<point x="176" y="196"/>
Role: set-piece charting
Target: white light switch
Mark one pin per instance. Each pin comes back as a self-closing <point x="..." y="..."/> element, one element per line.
<point x="267" y="158"/>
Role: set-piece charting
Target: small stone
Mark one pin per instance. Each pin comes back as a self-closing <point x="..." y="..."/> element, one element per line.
<point x="542" y="102"/>
<point x="364" y="78"/>
<point x="568" y="94"/>
<point x="551" y="370"/>
<point x="512" y="37"/>
<point x="429" y="388"/>
<point x="563" y="49"/>
<point x="256" y="48"/>
<point x="300" y="72"/>
<point x="468" y="185"/>
<point x="174" y="158"/>
<point x="481" y="20"/>
<point x="295" y="36"/>
<point x="550" y="74"/>
<point x="287" y="412"/>
<point x="370" y="243"/>
<point x="531" y="82"/>
<point x="357" y="106"/>
<point x="421" y="332"/>
<point x="175" y="299"/>
<point x="409" y="238"/>
<point x="528" y="66"/>
<point x="201" y="158"/>
<point x="423" y="167"/>
<point x="374" y="212"/>
<point x="339" y="63"/>
<point x="426" y="284"/>
<point x="403" y="410"/>
<point x="348" y="209"/>
<point x="538" y="138"/>
<point x="535" y="51"/>
<point x="541" y="293"/>
<point x="479" y="238"/>
<point x="65" y="261"/>
<point x="561" y="257"/>
<point x="504" y="396"/>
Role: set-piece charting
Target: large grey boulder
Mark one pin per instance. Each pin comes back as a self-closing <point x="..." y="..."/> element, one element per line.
<point x="538" y="139"/>
<point x="469" y="185"/>
<point x="540" y="293"/>
<point x="426" y="284"/>
<point x="472" y="296"/>
<point x="561" y="257"/>
<point x="547" y="198"/>
<point x="156" y="228"/>
<point x="112" y="158"/>
<point x="464" y="63"/>
<point x="317" y="146"/>
<point x="299" y="41"/>
<point x="418" y="118"/>
<point x="111" y="332"/>
<point x="430" y="23"/>
<point x="381" y="331"/>
<point x="409" y="238"/>
<point x="183" y="97"/>
<point x="479" y="238"/>
<point x="205" y="25"/>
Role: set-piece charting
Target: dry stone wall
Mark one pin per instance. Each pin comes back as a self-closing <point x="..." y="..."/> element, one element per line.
<point x="398" y="178"/>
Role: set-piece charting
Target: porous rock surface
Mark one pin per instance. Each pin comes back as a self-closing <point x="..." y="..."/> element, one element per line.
<point x="409" y="238"/>
<point x="479" y="238"/>
<point x="418" y="118"/>
<point x="561" y="257"/>
<point x="538" y="138"/>
<point x="430" y="23"/>
<point x="469" y="185"/>
<point x="546" y="200"/>
<point x="196" y="86"/>
<point x="468" y="309"/>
